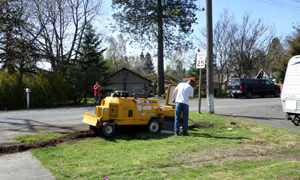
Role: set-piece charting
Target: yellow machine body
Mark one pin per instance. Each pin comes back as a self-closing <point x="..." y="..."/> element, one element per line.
<point x="131" y="110"/>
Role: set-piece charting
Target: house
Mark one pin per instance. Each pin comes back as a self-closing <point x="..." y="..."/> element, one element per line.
<point x="126" y="80"/>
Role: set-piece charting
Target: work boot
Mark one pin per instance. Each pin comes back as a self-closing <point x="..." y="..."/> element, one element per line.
<point x="185" y="134"/>
<point x="177" y="133"/>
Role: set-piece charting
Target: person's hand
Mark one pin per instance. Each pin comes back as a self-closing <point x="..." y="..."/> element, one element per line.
<point x="173" y="101"/>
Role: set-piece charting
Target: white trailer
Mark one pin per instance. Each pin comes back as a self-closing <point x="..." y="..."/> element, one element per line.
<point x="290" y="94"/>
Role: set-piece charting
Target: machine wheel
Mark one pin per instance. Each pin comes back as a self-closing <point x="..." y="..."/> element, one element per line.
<point x="248" y="94"/>
<point x="153" y="125"/>
<point x="277" y="92"/>
<point x="236" y="96"/>
<point x="108" y="129"/>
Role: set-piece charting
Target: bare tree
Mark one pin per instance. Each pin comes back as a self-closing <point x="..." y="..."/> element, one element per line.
<point x="178" y="62"/>
<point x="18" y="50"/>
<point x="251" y="37"/>
<point x="116" y="53"/>
<point x="64" y="22"/>
<point x="137" y="63"/>
<point x="224" y="31"/>
<point x="239" y="48"/>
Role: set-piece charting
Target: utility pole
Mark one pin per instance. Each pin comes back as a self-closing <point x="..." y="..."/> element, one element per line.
<point x="210" y="67"/>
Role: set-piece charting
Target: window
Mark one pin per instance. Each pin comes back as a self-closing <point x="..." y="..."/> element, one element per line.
<point x="262" y="82"/>
<point x="268" y="82"/>
<point x="234" y="82"/>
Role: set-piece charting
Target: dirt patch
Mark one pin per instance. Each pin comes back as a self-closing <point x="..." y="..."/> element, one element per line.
<point x="135" y="132"/>
<point x="201" y="125"/>
<point x="218" y="156"/>
<point x="78" y="135"/>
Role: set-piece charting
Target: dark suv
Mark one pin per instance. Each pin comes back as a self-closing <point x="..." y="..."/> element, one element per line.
<point x="248" y="87"/>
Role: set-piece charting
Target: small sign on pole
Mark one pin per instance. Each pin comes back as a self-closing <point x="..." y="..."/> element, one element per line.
<point x="200" y="60"/>
<point x="200" y="64"/>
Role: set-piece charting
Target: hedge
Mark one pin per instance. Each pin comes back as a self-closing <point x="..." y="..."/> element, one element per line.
<point x="47" y="89"/>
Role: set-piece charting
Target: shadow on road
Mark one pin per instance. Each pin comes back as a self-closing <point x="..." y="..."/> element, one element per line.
<point x="29" y="124"/>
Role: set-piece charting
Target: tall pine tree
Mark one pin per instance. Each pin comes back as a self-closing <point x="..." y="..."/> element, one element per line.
<point x="167" y="23"/>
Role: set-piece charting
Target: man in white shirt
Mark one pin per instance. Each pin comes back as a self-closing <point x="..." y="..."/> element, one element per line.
<point x="183" y="92"/>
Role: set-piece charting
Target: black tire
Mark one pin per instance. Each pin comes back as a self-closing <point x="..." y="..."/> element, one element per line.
<point x="154" y="125"/>
<point x="248" y="94"/>
<point x="277" y="93"/>
<point x="108" y="129"/>
<point x="236" y="96"/>
<point x="262" y="96"/>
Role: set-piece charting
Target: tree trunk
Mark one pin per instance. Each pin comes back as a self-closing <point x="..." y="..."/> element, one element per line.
<point x="160" y="52"/>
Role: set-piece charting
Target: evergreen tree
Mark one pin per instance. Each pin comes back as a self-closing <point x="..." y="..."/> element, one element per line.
<point x="148" y="64"/>
<point x="293" y="42"/>
<point x="89" y="67"/>
<point x="166" y="22"/>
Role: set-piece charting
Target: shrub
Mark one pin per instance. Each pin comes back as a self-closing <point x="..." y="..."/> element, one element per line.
<point x="11" y="95"/>
<point x="47" y="89"/>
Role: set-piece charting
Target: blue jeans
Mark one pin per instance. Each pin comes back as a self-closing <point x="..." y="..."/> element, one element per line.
<point x="97" y="98"/>
<point x="179" y="108"/>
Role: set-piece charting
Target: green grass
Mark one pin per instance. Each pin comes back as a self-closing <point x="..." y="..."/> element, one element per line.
<point x="26" y="139"/>
<point x="248" y="151"/>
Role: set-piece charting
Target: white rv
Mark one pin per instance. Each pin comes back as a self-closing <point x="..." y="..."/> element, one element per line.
<point x="290" y="94"/>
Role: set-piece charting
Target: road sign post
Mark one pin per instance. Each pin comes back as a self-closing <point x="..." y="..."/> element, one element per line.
<point x="200" y="64"/>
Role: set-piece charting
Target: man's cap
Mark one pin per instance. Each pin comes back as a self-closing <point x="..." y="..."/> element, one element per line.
<point x="192" y="81"/>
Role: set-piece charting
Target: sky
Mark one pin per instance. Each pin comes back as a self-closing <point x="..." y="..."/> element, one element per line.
<point x="283" y="14"/>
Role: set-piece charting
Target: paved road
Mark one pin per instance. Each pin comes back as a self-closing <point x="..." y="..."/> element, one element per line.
<point x="15" y="123"/>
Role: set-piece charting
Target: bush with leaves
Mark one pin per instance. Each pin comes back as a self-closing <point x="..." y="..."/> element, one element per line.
<point x="47" y="89"/>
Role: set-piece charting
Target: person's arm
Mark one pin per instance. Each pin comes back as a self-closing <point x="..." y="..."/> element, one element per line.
<point x="174" y="94"/>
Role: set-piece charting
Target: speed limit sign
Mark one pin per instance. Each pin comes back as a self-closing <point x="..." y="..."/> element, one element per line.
<point x="200" y="64"/>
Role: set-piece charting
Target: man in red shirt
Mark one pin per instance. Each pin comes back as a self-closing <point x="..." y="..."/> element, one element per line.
<point x="97" y="93"/>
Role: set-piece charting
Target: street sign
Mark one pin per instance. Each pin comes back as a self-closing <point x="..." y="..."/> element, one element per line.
<point x="200" y="60"/>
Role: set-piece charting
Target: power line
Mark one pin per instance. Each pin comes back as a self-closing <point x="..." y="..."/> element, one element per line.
<point x="276" y="3"/>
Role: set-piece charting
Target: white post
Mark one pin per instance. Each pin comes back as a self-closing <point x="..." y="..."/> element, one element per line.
<point x="27" y="91"/>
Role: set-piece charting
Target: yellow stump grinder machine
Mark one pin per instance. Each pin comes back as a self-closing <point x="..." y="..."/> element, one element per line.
<point x="121" y="109"/>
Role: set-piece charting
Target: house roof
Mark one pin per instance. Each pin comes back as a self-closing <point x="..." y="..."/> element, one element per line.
<point x="130" y="72"/>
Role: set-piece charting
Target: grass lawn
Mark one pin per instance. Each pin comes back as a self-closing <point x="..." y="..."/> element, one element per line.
<point x="218" y="148"/>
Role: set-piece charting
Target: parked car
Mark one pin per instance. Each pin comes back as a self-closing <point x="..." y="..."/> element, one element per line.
<point x="249" y="87"/>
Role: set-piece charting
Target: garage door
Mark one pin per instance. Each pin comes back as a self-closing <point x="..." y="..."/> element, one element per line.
<point x="135" y="88"/>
